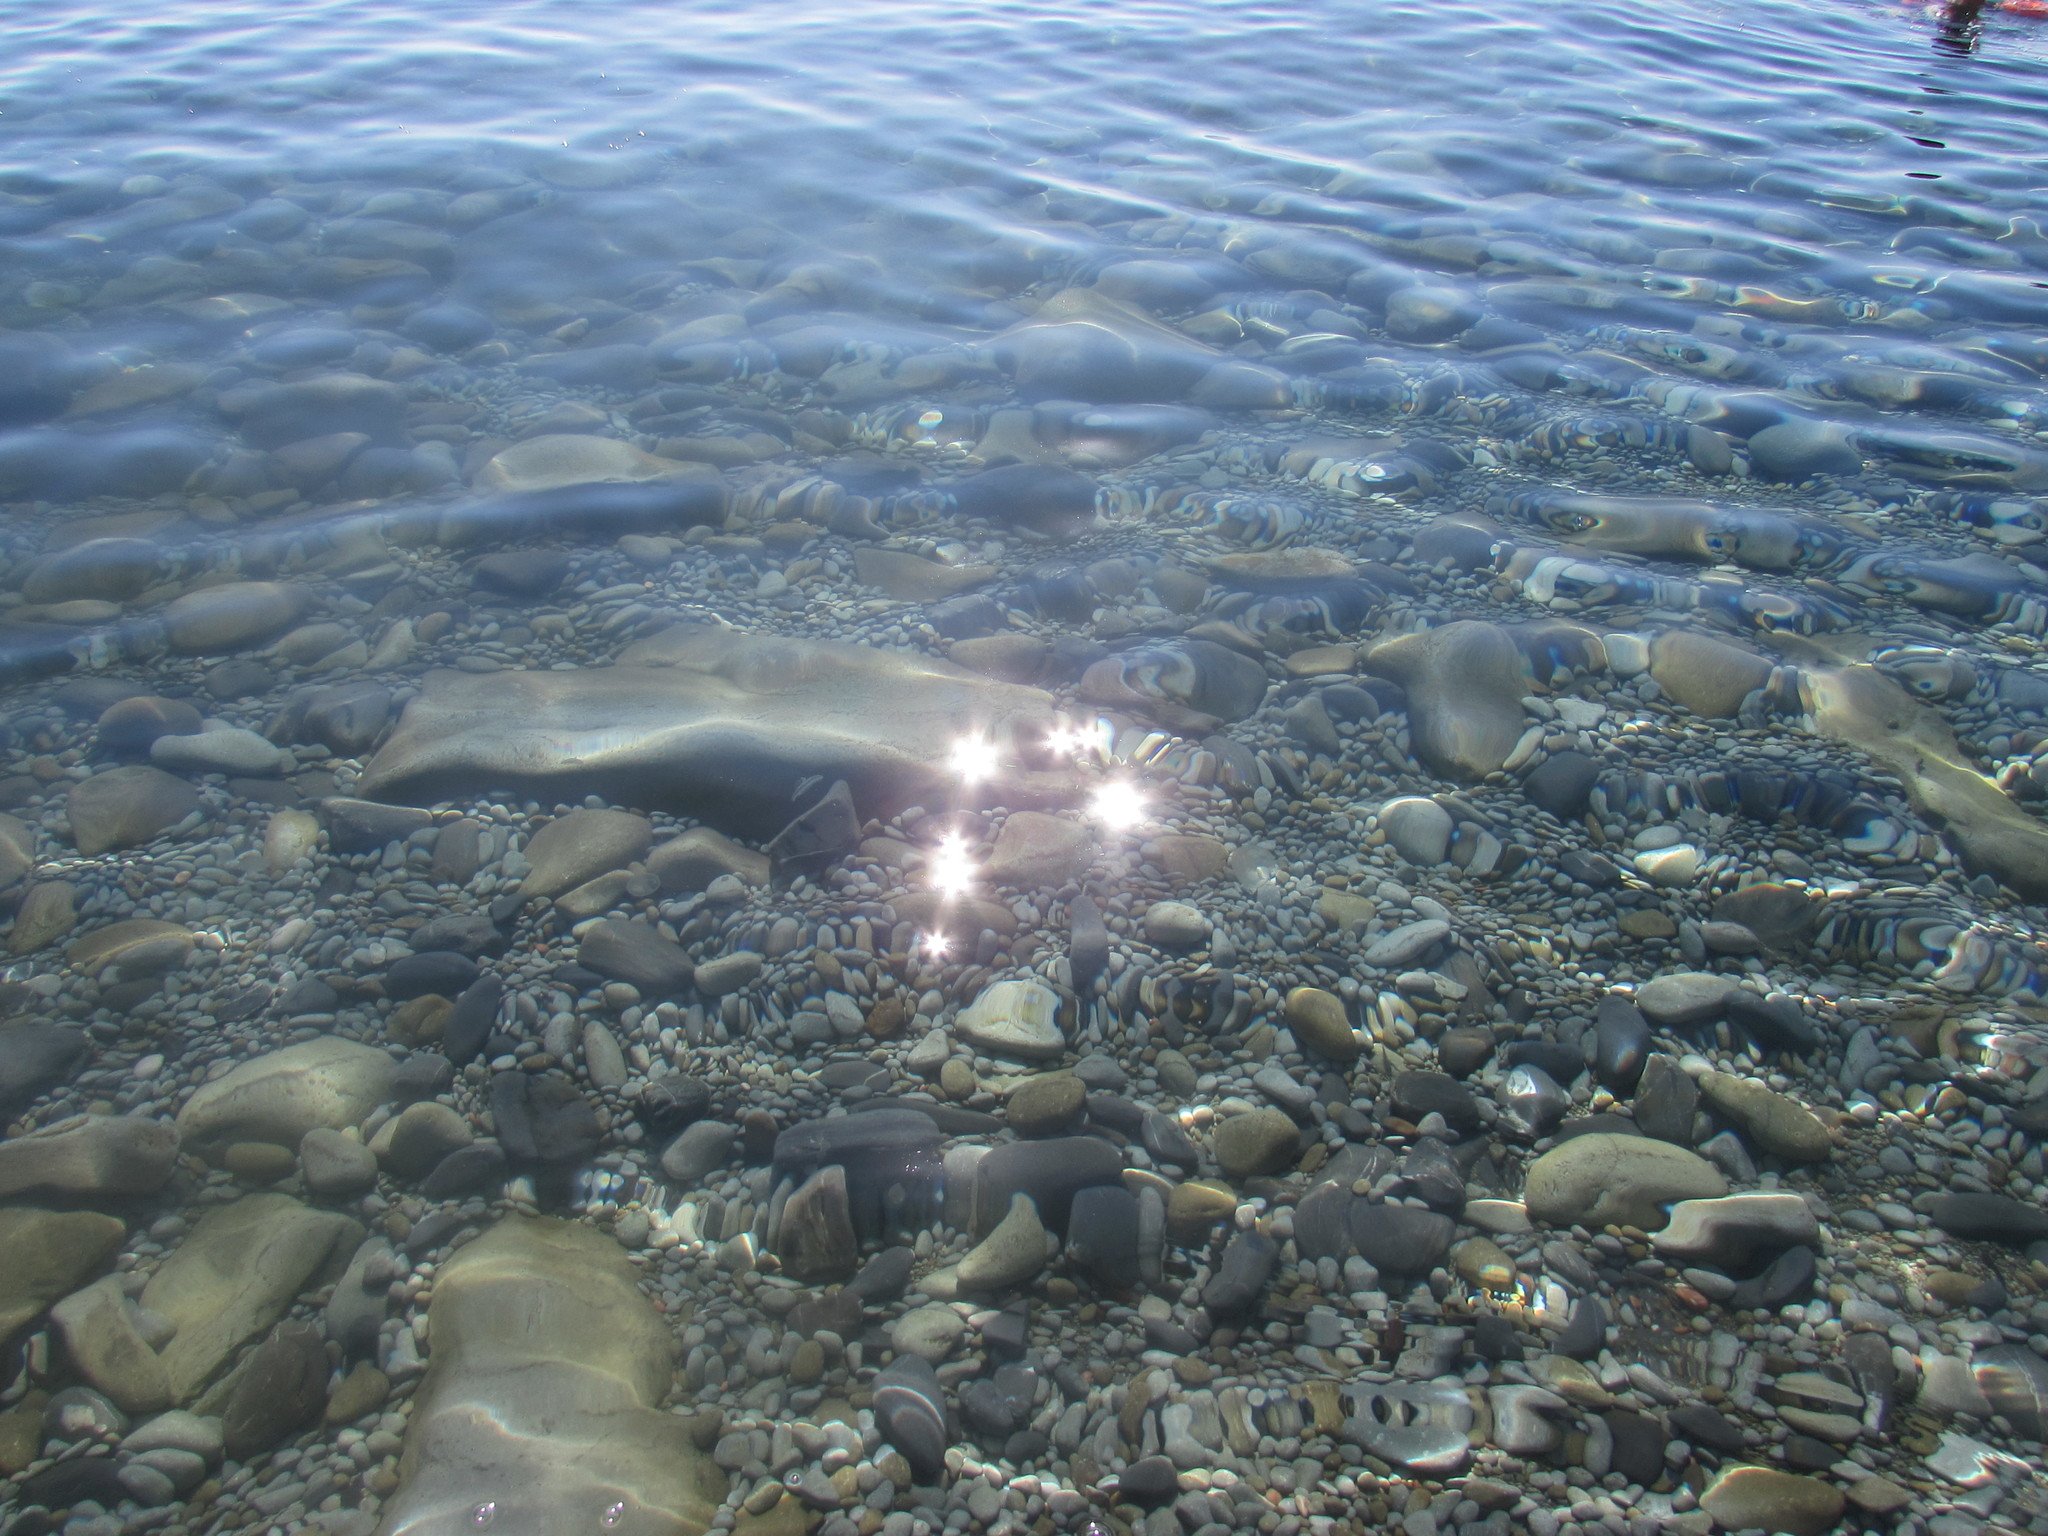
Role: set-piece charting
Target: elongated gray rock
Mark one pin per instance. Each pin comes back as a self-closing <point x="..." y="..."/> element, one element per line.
<point x="281" y="1095"/>
<point x="728" y="725"/>
<point x="1465" y="682"/>
<point x="542" y="1409"/>
<point x="234" y="1275"/>
<point x="1599" y="1178"/>
<point x="89" y="1155"/>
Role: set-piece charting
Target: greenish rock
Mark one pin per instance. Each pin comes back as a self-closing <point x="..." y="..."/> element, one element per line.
<point x="277" y="1097"/>
<point x="1045" y="1104"/>
<point x="126" y="807"/>
<point x="1602" y="1179"/>
<point x="1011" y="1254"/>
<point x="1262" y="1141"/>
<point x="49" y="1253"/>
<point x="1778" y="1125"/>
<point x="233" y="1277"/>
<point x="1747" y="1498"/>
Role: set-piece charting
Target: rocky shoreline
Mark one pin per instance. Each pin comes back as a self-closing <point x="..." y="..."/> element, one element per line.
<point x="875" y="971"/>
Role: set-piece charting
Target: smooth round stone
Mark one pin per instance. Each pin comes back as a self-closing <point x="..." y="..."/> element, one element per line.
<point x="729" y="973"/>
<point x="932" y="1332"/>
<point x="279" y="1096"/>
<point x="1647" y="923"/>
<point x="1708" y="676"/>
<point x="1429" y="312"/>
<point x="1318" y="1020"/>
<point x="1465" y="682"/>
<point x="1036" y="851"/>
<point x="131" y="727"/>
<point x="1046" y="1104"/>
<point x="1683" y="998"/>
<point x="553" y="460"/>
<point x="336" y="1166"/>
<point x="258" y="1162"/>
<point x="1419" y="829"/>
<point x="233" y="616"/>
<point x="1775" y="1123"/>
<point x="1799" y="449"/>
<point x="1322" y="661"/>
<point x="1500" y="1217"/>
<point x="1670" y="867"/>
<point x="109" y="570"/>
<point x="131" y="948"/>
<point x="1762" y="1498"/>
<point x="1729" y="939"/>
<point x="1018" y="1019"/>
<point x="126" y="807"/>
<point x="1601" y="1179"/>
<point x="1011" y="1254"/>
<point x="1176" y="925"/>
<point x="1260" y="1142"/>
<point x="580" y="846"/>
<point x="1562" y="784"/>
<point x="232" y="751"/>
<point x="1989" y="1218"/>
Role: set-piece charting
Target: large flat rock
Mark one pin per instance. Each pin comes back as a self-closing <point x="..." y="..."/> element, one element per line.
<point x="727" y="725"/>
<point x="329" y="1083"/>
<point x="234" y="1275"/>
<point x="543" y="1403"/>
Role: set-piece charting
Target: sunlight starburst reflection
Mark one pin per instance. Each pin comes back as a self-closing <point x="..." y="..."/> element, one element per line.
<point x="951" y="867"/>
<point x="973" y="758"/>
<point x="1118" y="806"/>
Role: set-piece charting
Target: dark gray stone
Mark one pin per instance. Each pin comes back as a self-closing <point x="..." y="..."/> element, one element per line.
<point x="1151" y="1480"/>
<point x="34" y="1058"/>
<point x="1531" y="1101"/>
<point x="1621" y="1040"/>
<point x="522" y="572"/>
<point x="1051" y="1172"/>
<point x="1584" y="1331"/>
<point x="1461" y="1052"/>
<point x="469" y="1023"/>
<point x="477" y="1169"/>
<point x="364" y="826"/>
<point x="910" y="1408"/>
<point x="462" y="933"/>
<point x="1639" y="1440"/>
<point x="672" y="1103"/>
<point x="1417" y="1094"/>
<point x="1708" y="1428"/>
<point x="634" y="952"/>
<point x="1322" y="1222"/>
<point x="1087" y="943"/>
<point x="1241" y="1276"/>
<point x="422" y="1075"/>
<point x="1400" y="1239"/>
<point x="1988" y="1218"/>
<point x="1431" y="1174"/>
<point x="829" y="828"/>
<point x="1777" y="1022"/>
<point x="1788" y="1278"/>
<point x="1666" y="1099"/>
<point x="1102" y="1235"/>
<point x="1562" y="784"/>
<point x="279" y="1389"/>
<point x="542" y="1119"/>
<point x="438" y="970"/>
<point x="884" y="1277"/>
<point x="892" y="1164"/>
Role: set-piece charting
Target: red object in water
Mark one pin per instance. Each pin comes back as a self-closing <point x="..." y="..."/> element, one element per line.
<point x="2038" y="9"/>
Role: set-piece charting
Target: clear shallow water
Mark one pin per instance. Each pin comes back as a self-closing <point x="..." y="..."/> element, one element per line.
<point x="1493" y="516"/>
